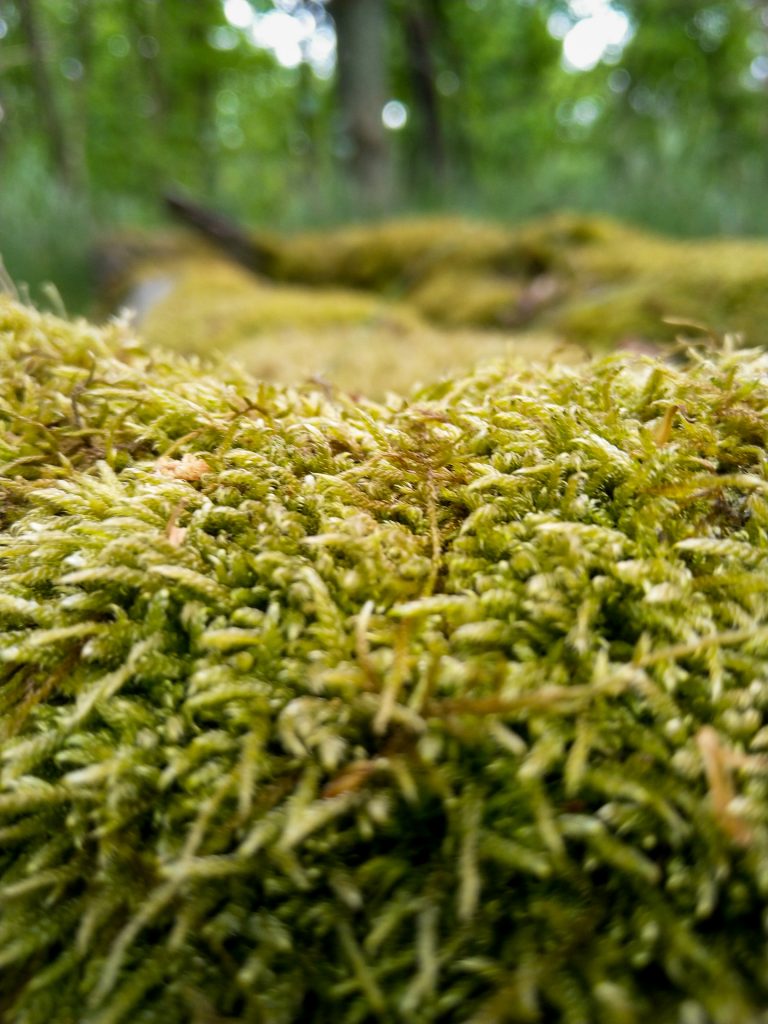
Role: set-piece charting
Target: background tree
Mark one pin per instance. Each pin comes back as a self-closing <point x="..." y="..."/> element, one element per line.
<point x="361" y="32"/>
<point x="423" y="22"/>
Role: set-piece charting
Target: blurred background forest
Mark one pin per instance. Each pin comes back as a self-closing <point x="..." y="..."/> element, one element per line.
<point x="305" y="113"/>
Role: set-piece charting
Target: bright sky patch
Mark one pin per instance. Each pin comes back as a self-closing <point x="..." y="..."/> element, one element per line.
<point x="599" y="29"/>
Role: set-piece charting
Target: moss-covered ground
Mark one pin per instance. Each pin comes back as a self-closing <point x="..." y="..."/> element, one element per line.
<point x="447" y="709"/>
<point x="404" y="302"/>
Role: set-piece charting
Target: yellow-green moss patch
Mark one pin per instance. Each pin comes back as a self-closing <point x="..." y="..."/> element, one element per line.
<point x="589" y="279"/>
<point x="315" y="709"/>
<point x="350" y="339"/>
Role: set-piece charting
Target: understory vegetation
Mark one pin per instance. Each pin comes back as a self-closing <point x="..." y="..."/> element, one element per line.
<point x="448" y="707"/>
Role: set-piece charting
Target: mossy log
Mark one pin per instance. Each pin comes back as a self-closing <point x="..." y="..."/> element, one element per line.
<point x="588" y="280"/>
<point x="320" y="710"/>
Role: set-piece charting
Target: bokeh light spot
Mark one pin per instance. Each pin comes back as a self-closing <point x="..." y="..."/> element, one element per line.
<point x="238" y="13"/>
<point x="394" y="115"/>
<point x="600" y="30"/>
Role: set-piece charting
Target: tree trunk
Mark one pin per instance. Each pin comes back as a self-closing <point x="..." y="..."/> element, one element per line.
<point x="361" y="28"/>
<point x="58" y="141"/>
<point x="420" y="43"/>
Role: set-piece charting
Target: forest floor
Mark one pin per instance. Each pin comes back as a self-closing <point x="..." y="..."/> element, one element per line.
<point x="383" y="307"/>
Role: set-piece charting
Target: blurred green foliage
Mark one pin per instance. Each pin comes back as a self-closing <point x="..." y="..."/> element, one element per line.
<point x="235" y="100"/>
<point x="45" y="231"/>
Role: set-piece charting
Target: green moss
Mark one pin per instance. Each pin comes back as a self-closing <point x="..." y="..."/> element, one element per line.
<point x="399" y="253"/>
<point x="213" y="303"/>
<point x="631" y="288"/>
<point x="392" y="254"/>
<point x="291" y="333"/>
<point x="590" y="279"/>
<point x="456" y="298"/>
<point x="449" y="709"/>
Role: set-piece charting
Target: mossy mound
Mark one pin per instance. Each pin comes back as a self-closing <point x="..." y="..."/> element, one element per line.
<point x="589" y="280"/>
<point x="292" y="333"/>
<point x="393" y="254"/>
<point x="449" y="709"/>
<point x="215" y="298"/>
<point x="642" y="286"/>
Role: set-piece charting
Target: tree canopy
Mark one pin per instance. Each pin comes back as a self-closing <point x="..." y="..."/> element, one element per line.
<point x="238" y="99"/>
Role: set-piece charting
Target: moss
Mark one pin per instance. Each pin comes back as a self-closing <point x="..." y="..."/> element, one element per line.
<point x="610" y="282"/>
<point x="399" y="253"/>
<point x="633" y="287"/>
<point x="215" y="301"/>
<point x="590" y="279"/>
<point x="457" y="298"/>
<point x="446" y="709"/>
<point x="289" y="333"/>
<point x="379" y="358"/>
<point x="392" y="254"/>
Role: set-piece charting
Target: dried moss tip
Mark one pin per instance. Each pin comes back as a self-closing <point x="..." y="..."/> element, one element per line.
<point x="320" y="710"/>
